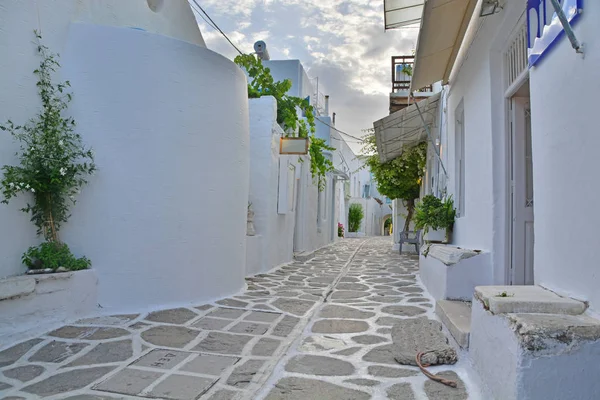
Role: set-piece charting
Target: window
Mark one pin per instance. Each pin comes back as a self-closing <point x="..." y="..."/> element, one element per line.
<point x="460" y="159"/>
<point x="367" y="192"/>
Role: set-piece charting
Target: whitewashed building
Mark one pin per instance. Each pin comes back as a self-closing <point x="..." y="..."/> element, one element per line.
<point x="517" y="153"/>
<point x="292" y="218"/>
<point x="163" y="220"/>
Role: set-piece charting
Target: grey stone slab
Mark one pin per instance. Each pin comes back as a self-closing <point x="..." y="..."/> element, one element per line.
<point x="369" y="339"/>
<point x="204" y="307"/>
<point x="211" y="324"/>
<point x="223" y="394"/>
<point x="178" y="316"/>
<point x="385" y="300"/>
<point x="293" y="306"/>
<point x="14" y="353"/>
<point x="285" y="326"/>
<point x="410" y="289"/>
<point x="182" y="387"/>
<point x="403" y="311"/>
<point x="209" y="364"/>
<point x="4" y="386"/>
<point x="304" y="389"/>
<point x="317" y="343"/>
<point x="265" y="347"/>
<point x="228" y="313"/>
<point x="363" y="382"/>
<point x="89" y="397"/>
<point x="263" y="307"/>
<point x="56" y="352"/>
<point x="139" y="326"/>
<point x="381" y="355"/>
<point x="339" y="326"/>
<point x="89" y="333"/>
<point x="128" y="381"/>
<point x="104" y="353"/>
<point x="347" y="352"/>
<point x="67" y="381"/>
<point x="25" y="373"/>
<point x="251" y="328"/>
<point x="169" y="335"/>
<point x="384" y="331"/>
<point x="162" y="359"/>
<point x="334" y="311"/>
<point x="348" y="294"/>
<point x="417" y="300"/>
<point x="421" y="335"/>
<point x="438" y="391"/>
<point x="456" y="316"/>
<point x="244" y="374"/>
<point x="351" y="286"/>
<point x="401" y="391"/>
<point x="123" y="319"/>
<point x="232" y="303"/>
<point x="389" y="372"/>
<point x="319" y="365"/>
<point x="259" y="316"/>
<point x="387" y="321"/>
<point x="224" y="343"/>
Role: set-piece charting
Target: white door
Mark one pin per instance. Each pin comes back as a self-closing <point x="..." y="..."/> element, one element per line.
<point x="522" y="193"/>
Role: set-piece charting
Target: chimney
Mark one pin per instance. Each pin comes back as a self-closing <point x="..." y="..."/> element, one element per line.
<point x="327" y="105"/>
<point x="333" y="120"/>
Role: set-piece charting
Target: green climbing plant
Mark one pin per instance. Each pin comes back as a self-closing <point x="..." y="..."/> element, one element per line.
<point x="261" y="83"/>
<point x="53" y="166"/>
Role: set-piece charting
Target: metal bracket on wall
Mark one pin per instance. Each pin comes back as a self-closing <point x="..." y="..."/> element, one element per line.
<point x="567" y="27"/>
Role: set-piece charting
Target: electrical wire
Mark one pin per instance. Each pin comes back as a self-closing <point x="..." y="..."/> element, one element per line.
<point x="202" y="16"/>
<point x="217" y="27"/>
<point x="342" y="132"/>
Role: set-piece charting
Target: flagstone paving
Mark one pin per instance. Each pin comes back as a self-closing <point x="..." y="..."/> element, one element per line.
<point x="320" y="329"/>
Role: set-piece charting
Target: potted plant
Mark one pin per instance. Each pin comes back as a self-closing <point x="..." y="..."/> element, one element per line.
<point x="436" y="218"/>
<point x="340" y="230"/>
<point x="355" y="217"/>
<point x="250" y="231"/>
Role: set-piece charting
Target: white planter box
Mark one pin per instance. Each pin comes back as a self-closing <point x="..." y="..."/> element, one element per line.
<point x="354" y="234"/>
<point x="439" y="235"/>
<point x="36" y="302"/>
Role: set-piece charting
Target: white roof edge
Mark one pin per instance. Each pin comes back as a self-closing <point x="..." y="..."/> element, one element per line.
<point x="437" y="62"/>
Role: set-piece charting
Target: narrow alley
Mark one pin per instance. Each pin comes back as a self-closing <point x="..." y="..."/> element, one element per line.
<point x="320" y="329"/>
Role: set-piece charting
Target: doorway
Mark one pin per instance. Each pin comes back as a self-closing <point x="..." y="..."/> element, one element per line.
<point x="521" y="189"/>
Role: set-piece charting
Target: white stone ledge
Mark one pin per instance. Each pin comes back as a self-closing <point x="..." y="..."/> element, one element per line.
<point x="449" y="255"/>
<point x="35" y="302"/>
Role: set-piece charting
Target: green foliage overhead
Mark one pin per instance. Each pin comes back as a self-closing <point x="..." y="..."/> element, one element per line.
<point x="432" y="213"/>
<point x="355" y="217"/>
<point x="401" y="177"/>
<point x="53" y="162"/>
<point x="261" y="83"/>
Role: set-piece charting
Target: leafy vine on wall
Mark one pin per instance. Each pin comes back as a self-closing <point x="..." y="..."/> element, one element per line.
<point x="261" y="83"/>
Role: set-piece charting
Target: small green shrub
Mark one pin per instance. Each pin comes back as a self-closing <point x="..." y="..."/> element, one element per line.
<point x="432" y="213"/>
<point x="53" y="255"/>
<point x="355" y="217"/>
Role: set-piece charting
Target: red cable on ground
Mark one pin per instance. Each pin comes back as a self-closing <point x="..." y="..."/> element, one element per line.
<point x="436" y="378"/>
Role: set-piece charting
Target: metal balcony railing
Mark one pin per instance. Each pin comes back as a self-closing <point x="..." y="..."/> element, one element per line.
<point x="402" y="68"/>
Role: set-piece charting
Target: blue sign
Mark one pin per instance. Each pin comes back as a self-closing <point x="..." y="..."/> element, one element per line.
<point x="543" y="26"/>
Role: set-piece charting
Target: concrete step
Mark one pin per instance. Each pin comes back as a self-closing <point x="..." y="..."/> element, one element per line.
<point x="456" y="316"/>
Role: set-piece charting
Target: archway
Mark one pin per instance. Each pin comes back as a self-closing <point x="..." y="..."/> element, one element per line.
<point x="386" y="225"/>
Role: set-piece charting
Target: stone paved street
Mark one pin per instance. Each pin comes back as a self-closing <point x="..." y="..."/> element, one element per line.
<point x="319" y="329"/>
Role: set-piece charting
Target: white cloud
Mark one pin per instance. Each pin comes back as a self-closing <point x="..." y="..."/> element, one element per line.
<point x="341" y="41"/>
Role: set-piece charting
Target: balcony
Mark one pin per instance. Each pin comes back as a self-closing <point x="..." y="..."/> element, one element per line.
<point x="402" y="67"/>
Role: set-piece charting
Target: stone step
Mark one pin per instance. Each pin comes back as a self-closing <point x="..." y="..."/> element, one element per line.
<point x="526" y="299"/>
<point x="456" y="317"/>
<point x="535" y="355"/>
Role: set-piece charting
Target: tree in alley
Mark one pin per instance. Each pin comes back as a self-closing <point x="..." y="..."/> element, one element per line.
<point x="401" y="177"/>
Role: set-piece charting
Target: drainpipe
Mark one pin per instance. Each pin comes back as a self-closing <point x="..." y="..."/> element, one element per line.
<point x="333" y="120"/>
<point x="326" y="105"/>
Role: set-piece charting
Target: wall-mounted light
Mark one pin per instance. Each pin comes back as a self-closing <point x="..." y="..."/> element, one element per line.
<point x="489" y="7"/>
<point x="293" y="145"/>
<point x="437" y="141"/>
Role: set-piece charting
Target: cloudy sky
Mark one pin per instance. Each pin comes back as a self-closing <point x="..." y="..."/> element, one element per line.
<point x="340" y="41"/>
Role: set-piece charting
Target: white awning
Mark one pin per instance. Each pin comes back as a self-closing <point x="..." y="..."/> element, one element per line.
<point x="405" y="128"/>
<point x="399" y="13"/>
<point x="442" y="31"/>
